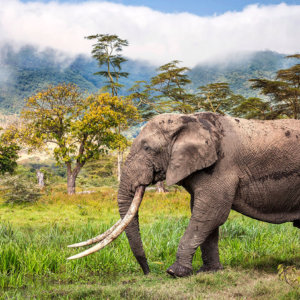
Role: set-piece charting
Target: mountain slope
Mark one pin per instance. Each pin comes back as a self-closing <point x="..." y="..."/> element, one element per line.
<point x="24" y="72"/>
<point x="239" y="70"/>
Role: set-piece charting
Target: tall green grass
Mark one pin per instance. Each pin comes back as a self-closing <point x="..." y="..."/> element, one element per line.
<point x="34" y="239"/>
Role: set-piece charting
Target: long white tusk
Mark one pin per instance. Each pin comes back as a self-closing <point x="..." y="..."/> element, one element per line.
<point x="98" y="238"/>
<point x="120" y="228"/>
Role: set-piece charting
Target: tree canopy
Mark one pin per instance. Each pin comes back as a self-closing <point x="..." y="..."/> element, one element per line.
<point x="78" y="127"/>
<point x="167" y="91"/>
<point x="283" y="93"/>
<point x="170" y="84"/>
<point x="145" y="101"/>
<point x="107" y="51"/>
<point x="215" y="97"/>
<point x="8" y="155"/>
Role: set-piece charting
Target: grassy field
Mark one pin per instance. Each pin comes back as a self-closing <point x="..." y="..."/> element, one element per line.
<point x="34" y="239"/>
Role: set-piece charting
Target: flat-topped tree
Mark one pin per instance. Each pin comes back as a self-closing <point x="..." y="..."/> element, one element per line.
<point x="170" y="87"/>
<point x="141" y="94"/>
<point x="107" y="51"/>
<point x="283" y="92"/>
<point x="215" y="97"/>
<point x="167" y="92"/>
<point x="78" y="127"/>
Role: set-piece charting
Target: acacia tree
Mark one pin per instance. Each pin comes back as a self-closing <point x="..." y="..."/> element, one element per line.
<point x="107" y="51"/>
<point x="166" y="92"/>
<point x="216" y="97"/>
<point x="170" y="88"/>
<point x="79" y="127"/>
<point x="283" y="92"/>
<point x="141" y="94"/>
<point x="253" y="108"/>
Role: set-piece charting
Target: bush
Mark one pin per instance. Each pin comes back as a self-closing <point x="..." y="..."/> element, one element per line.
<point x="19" y="190"/>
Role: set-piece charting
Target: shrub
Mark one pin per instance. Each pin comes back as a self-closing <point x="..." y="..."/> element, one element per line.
<point x="19" y="190"/>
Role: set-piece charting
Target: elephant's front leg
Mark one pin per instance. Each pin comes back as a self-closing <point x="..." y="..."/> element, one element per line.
<point x="200" y="228"/>
<point x="211" y="209"/>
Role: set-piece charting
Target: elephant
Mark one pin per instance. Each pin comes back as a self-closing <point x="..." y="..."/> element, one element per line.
<point x="224" y="163"/>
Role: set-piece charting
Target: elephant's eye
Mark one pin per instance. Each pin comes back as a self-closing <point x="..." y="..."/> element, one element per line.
<point x="146" y="147"/>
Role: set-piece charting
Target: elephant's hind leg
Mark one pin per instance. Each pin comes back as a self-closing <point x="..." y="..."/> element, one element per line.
<point x="210" y="253"/>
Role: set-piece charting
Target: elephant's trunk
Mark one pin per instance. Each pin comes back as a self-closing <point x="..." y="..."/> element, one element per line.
<point x="132" y="230"/>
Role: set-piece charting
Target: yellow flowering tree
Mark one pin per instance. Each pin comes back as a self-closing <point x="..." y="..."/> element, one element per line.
<point x="80" y="127"/>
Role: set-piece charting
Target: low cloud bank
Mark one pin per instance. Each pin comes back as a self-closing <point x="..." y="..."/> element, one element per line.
<point x="153" y="36"/>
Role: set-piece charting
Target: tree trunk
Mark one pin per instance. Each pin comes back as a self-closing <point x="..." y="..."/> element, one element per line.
<point x="160" y="187"/>
<point x="71" y="184"/>
<point x="40" y="178"/>
<point x="120" y="162"/>
<point x="71" y="177"/>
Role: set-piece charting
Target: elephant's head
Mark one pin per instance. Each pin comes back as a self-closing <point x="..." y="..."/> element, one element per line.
<point x="171" y="147"/>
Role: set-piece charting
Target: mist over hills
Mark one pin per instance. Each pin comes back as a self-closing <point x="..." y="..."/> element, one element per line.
<point x="27" y="70"/>
<point x="24" y="72"/>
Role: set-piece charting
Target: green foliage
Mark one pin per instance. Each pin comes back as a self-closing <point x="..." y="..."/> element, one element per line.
<point x="79" y="127"/>
<point x="53" y="173"/>
<point x="107" y="52"/>
<point x="29" y="70"/>
<point x="18" y="190"/>
<point x="283" y="92"/>
<point x="284" y="101"/>
<point x="236" y="71"/>
<point x="166" y="92"/>
<point x="100" y="172"/>
<point x="253" y="108"/>
<point x="8" y="156"/>
<point x="145" y="101"/>
<point x="170" y="84"/>
<point x="216" y="97"/>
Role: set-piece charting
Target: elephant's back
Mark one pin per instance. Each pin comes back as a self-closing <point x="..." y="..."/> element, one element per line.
<point x="268" y="160"/>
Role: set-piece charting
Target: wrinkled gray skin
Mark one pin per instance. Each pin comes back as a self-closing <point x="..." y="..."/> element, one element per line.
<point x="225" y="163"/>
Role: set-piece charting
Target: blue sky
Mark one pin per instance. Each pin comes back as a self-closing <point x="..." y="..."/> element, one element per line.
<point x="198" y="7"/>
<point x="157" y="31"/>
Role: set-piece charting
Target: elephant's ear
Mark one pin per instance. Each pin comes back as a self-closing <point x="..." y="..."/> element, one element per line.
<point x="194" y="149"/>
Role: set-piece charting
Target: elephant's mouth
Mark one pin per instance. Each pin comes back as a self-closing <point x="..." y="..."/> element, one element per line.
<point x="111" y="234"/>
<point x="159" y="175"/>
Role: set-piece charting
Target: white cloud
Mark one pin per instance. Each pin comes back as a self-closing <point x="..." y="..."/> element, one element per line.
<point x="153" y="36"/>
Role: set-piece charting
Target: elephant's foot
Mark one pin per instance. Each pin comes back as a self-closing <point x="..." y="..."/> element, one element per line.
<point x="177" y="270"/>
<point x="211" y="268"/>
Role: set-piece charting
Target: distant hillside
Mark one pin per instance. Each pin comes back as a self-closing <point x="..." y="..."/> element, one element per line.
<point x="237" y="71"/>
<point x="26" y="71"/>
